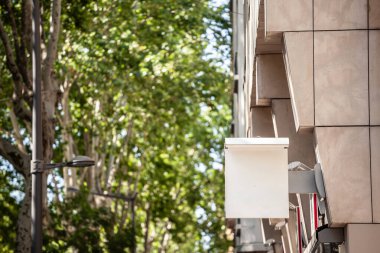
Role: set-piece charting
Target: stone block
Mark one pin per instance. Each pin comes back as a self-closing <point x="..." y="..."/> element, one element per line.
<point x="341" y="78"/>
<point x="374" y="76"/>
<point x="288" y="15"/>
<point x="340" y="14"/>
<point x="362" y="238"/>
<point x="301" y="147"/>
<point x="266" y="44"/>
<point x="299" y="71"/>
<point x="345" y="160"/>
<point x="374" y="14"/>
<point x="375" y="172"/>
<point x="262" y="123"/>
<point x="270" y="78"/>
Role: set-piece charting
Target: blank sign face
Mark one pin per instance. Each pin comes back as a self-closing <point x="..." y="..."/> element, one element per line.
<point x="256" y="180"/>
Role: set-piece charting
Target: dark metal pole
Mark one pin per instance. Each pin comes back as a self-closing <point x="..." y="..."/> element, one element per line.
<point x="37" y="155"/>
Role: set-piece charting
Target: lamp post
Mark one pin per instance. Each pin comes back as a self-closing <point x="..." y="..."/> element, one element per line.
<point x="37" y="156"/>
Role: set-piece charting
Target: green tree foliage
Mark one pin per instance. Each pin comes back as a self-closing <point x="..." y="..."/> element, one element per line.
<point x="11" y="186"/>
<point x="140" y="94"/>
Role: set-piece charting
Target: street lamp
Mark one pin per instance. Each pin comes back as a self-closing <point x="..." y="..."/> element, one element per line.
<point x="37" y="168"/>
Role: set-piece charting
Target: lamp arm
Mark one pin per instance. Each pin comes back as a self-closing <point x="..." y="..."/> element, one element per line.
<point x="49" y="166"/>
<point x="38" y="166"/>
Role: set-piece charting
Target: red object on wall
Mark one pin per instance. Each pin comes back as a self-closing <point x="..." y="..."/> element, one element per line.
<point x="315" y="207"/>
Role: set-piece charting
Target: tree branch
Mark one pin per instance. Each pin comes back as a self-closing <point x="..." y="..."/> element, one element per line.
<point x="124" y="152"/>
<point x="19" y="47"/>
<point x="11" y="64"/>
<point x="22" y="112"/>
<point x="20" y="161"/>
<point x="26" y="20"/>
<point x="65" y="122"/>
<point x="19" y="88"/>
<point x="13" y="25"/>
<point x="146" y="234"/>
<point x="165" y="237"/>
<point x="110" y="162"/>
<point x="16" y="129"/>
<point x="51" y="53"/>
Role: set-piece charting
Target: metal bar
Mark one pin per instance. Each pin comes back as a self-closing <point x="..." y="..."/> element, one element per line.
<point x="37" y="153"/>
<point x="302" y="217"/>
<point x="313" y="244"/>
<point x="50" y="166"/>
<point x="302" y="182"/>
<point x="330" y="235"/>
<point x="315" y="211"/>
<point x="299" y="233"/>
<point x="253" y="247"/>
<point x="285" y="238"/>
<point x="113" y="196"/>
<point x="325" y="235"/>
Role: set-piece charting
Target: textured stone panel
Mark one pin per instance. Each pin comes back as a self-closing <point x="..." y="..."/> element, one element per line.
<point x="340" y="14"/>
<point x="341" y="78"/>
<point x="262" y="123"/>
<point x="375" y="172"/>
<point x="374" y="76"/>
<point x="288" y="15"/>
<point x="362" y="238"/>
<point x="266" y="44"/>
<point x="374" y="14"/>
<point x="344" y="155"/>
<point x="270" y="78"/>
<point x="301" y="147"/>
<point x="299" y="71"/>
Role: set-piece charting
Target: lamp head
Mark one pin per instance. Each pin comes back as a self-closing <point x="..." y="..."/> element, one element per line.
<point x="319" y="181"/>
<point x="81" y="161"/>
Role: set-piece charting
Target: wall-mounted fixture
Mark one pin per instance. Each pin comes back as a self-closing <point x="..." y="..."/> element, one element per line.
<point x="256" y="172"/>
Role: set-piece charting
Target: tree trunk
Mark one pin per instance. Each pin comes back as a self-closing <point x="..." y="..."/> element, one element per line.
<point x="23" y="222"/>
<point x="146" y="236"/>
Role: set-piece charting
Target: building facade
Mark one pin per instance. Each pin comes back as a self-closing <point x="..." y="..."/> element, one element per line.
<point x="309" y="70"/>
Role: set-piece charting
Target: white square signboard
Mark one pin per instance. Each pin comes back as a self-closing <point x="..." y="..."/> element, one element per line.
<point x="256" y="178"/>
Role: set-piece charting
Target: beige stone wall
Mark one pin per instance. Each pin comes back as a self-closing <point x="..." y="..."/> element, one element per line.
<point x="362" y="238"/>
<point x="313" y="75"/>
<point x="332" y="52"/>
